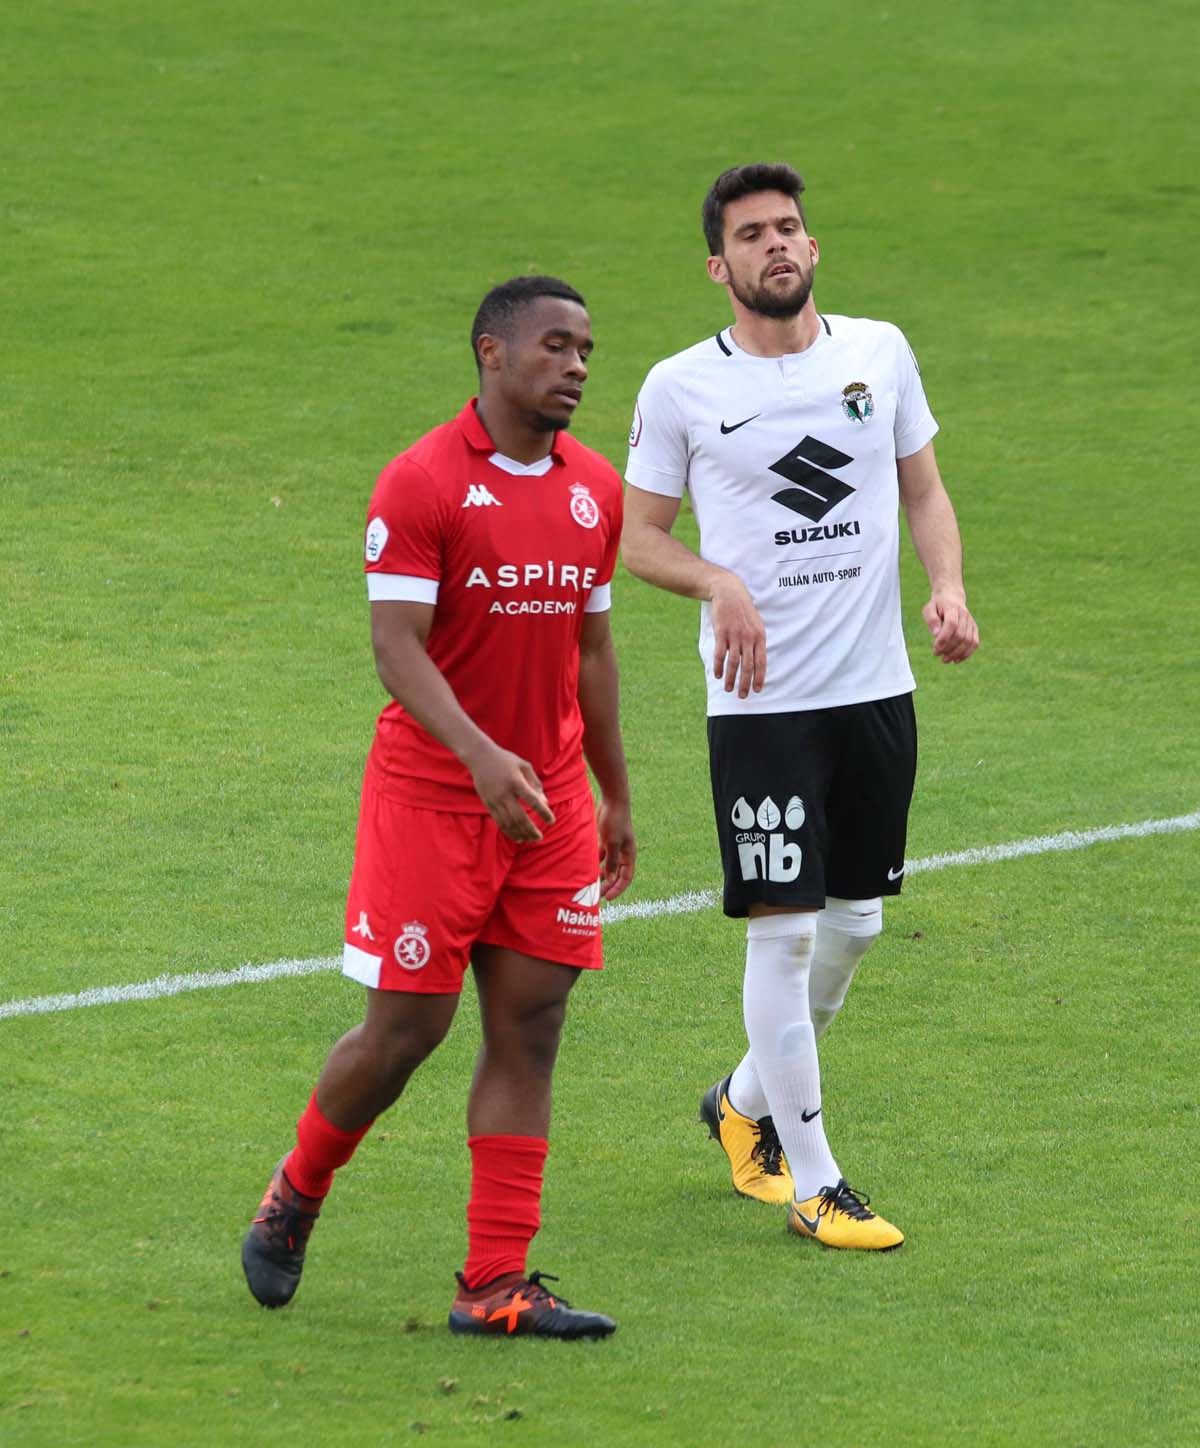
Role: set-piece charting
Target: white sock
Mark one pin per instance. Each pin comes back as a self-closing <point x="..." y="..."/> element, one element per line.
<point x="846" y="930"/>
<point x="745" y="1090"/>
<point x="784" y="1045"/>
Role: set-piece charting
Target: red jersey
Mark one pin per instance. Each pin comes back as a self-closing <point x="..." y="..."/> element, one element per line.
<point x="509" y="558"/>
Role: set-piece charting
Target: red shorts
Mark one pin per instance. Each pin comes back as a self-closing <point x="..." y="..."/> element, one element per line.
<point x="428" y="885"/>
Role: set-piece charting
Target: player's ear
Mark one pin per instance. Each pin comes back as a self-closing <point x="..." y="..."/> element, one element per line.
<point x="717" y="270"/>
<point x="814" y="250"/>
<point x="490" y="351"/>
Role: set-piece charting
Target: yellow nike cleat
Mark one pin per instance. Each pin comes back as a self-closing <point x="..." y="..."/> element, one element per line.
<point x="756" y="1157"/>
<point x="838" y="1217"/>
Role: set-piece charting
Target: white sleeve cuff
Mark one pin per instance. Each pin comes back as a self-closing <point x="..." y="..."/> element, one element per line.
<point x="650" y="480"/>
<point x="401" y="588"/>
<point x="915" y="439"/>
<point x="600" y="599"/>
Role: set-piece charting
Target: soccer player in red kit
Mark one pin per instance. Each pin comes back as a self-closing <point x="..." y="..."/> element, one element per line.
<point x="490" y="547"/>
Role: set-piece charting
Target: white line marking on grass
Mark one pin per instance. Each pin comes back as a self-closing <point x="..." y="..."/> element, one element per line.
<point x="1068" y="840"/>
<point x="688" y="903"/>
<point x="163" y="985"/>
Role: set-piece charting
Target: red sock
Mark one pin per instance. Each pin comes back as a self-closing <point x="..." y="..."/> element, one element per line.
<point x="320" y="1149"/>
<point x="505" y="1207"/>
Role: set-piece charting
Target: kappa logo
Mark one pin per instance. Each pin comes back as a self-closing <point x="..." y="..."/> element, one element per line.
<point x="815" y="491"/>
<point x="412" y="947"/>
<point x="764" y="851"/>
<point x="363" y="927"/>
<point x="583" y="506"/>
<point x="479" y="497"/>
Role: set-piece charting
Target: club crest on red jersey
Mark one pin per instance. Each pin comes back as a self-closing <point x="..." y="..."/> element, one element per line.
<point x="583" y="506"/>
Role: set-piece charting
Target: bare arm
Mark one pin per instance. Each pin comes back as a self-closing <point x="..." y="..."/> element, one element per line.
<point x="602" y="747"/>
<point x="652" y="554"/>
<point x="503" y="781"/>
<point x="934" y="530"/>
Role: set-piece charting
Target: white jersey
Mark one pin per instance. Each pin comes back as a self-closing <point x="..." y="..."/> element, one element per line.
<point x="790" y="463"/>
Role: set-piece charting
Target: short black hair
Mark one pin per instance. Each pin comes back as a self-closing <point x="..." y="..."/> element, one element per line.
<point x="741" y="181"/>
<point x="498" y="311"/>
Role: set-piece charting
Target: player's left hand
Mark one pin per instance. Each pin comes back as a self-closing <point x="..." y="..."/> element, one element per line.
<point x="955" y="632"/>
<point x="618" y="848"/>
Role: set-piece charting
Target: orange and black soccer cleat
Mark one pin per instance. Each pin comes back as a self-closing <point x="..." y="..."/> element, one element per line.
<point x="273" y="1249"/>
<point x="512" y="1305"/>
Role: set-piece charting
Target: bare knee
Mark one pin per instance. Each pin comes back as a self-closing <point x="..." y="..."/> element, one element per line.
<point x="396" y="1040"/>
<point x="528" y="1037"/>
<point x="402" y="1048"/>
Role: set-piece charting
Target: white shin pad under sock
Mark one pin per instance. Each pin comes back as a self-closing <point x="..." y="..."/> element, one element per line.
<point x="846" y="930"/>
<point x="779" y="951"/>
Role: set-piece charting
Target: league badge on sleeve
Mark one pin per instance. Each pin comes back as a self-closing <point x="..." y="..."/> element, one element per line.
<point x="583" y="506"/>
<point x="857" y="402"/>
<point x="377" y="536"/>
<point x="635" y="429"/>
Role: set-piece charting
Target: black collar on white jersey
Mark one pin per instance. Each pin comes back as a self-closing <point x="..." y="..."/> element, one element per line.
<point x="720" y="340"/>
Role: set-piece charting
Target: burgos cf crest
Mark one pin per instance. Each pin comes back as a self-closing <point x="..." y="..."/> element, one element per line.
<point x="583" y="506"/>
<point x="857" y="403"/>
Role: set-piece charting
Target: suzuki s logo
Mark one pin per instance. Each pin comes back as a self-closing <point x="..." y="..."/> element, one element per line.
<point x="764" y="851"/>
<point x="815" y="491"/>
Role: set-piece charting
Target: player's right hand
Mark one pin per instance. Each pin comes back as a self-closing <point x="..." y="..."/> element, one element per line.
<point x="955" y="632"/>
<point x="509" y="787"/>
<point x="739" y="637"/>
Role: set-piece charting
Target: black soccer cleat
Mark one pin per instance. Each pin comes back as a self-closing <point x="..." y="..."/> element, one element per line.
<point x="273" y="1249"/>
<point x="515" y="1306"/>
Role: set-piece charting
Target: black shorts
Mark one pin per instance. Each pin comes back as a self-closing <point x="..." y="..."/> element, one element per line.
<point x="814" y="803"/>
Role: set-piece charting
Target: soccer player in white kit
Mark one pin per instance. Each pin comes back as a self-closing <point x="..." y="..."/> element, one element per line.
<point x="797" y="436"/>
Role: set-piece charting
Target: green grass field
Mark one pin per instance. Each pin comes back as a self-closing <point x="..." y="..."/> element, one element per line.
<point x="241" y="253"/>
